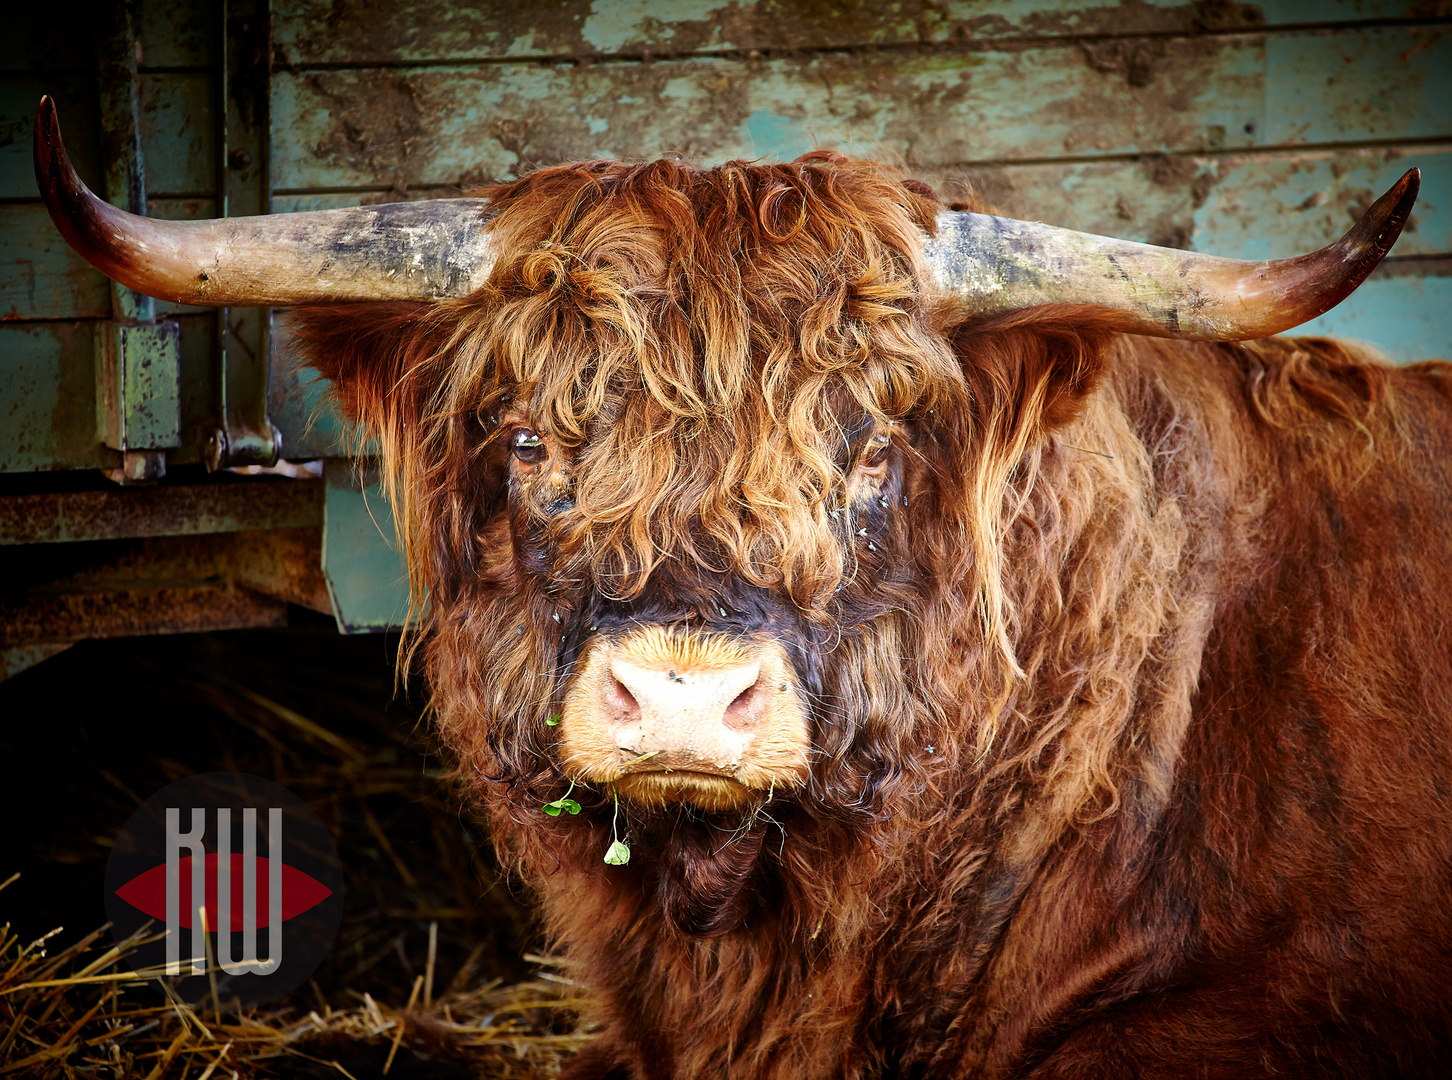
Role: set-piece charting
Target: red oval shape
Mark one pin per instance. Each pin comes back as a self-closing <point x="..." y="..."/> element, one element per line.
<point x="147" y="892"/>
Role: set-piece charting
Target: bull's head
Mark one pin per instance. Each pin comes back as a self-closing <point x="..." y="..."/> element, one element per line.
<point x="691" y="463"/>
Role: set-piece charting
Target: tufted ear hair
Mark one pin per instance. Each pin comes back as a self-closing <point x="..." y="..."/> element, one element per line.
<point x="1029" y="371"/>
<point x="377" y="357"/>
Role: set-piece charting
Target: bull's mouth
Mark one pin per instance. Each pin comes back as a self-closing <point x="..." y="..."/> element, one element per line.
<point x="705" y="791"/>
<point x="679" y="717"/>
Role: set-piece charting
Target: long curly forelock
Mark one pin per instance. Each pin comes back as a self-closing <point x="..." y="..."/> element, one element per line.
<point x="695" y="338"/>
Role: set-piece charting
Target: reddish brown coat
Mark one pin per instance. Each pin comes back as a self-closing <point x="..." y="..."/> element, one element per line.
<point x="1132" y="728"/>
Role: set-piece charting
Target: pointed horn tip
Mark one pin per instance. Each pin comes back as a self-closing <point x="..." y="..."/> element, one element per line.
<point x="1372" y="237"/>
<point x="47" y="121"/>
<point x="1390" y="212"/>
<point x="1406" y="190"/>
<point x="48" y="145"/>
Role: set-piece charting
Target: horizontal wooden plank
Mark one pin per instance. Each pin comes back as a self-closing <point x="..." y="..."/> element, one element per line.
<point x="1244" y="207"/>
<point x="1329" y="87"/>
<point x="1277" y="207"/>
<point x="1404" y="317"/>
<point x="131" y="612"/>
<point x="406" y="127"/>
<point x="362" y="32"/>
<point x="40" y="276"/>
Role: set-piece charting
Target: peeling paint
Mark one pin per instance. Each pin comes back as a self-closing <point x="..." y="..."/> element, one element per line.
<point x="773" y="136"/>
<point x="614" y="25"/>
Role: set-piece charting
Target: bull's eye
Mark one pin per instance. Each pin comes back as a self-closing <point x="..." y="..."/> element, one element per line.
<point x="528" y="447"/>
<point x="876" y="454"/>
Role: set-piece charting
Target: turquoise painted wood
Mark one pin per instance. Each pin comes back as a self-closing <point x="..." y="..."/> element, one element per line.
<point x="1405" y="318"/>
<point x="1312" y="200"/>
<point x="427" y="126"/>
<point x="311" y="32"/>
<point x="1242" y="129"/>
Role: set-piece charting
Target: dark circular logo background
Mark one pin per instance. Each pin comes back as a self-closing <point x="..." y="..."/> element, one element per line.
<point x="307" y="849"/>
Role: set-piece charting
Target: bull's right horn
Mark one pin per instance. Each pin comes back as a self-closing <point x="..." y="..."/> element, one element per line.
<point x="399" y="251"/>
<point x="993" y="265"/>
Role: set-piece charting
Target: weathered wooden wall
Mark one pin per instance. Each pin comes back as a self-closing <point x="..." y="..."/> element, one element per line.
<point x="1243" y="129"/>
<point x="1251" y="130"/>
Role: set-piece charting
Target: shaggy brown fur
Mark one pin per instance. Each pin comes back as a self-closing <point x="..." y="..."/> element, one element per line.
<point x="1129" y="675"/>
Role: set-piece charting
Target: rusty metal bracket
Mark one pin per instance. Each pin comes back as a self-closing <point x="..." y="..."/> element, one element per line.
<point x="246" y="434"/>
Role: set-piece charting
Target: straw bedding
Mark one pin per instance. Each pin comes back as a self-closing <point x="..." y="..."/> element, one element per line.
<point x="432" y="972"/>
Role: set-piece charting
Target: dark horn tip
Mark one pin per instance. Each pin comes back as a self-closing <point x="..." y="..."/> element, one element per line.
<point x="1390" y="213"/>
<point x="1410" y="184"/>
<point x="48" y="146"/>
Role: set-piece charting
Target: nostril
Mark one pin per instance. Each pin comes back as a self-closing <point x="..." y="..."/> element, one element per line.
<point x="745" y="708"/>
<point x="621" y="700"/>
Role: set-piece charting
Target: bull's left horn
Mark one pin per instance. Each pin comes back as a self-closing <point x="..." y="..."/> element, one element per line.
<point x="399" y="251"/>
<point x="993" y="265"/>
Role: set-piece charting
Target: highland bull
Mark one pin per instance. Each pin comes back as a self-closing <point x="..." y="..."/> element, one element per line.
<point x="896" y="641"/>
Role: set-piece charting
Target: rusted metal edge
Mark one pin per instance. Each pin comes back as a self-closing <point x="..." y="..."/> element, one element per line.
<point x="163" y="511"/>
<point x="186" y="609"/>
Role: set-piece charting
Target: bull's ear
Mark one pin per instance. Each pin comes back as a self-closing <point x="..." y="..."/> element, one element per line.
<point x="1029" y="371"/>
<point x="376" y="355"/>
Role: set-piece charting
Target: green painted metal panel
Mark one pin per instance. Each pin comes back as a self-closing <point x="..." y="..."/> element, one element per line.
<point x="396" y="128"/>
<point x="362" y="32"/>
<point x="48" y="390"/>
<point x="297" y="401"/>
<point x="198" y="390"/>
<point x="150" y="382"/>
<point x="366" y="576"/>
